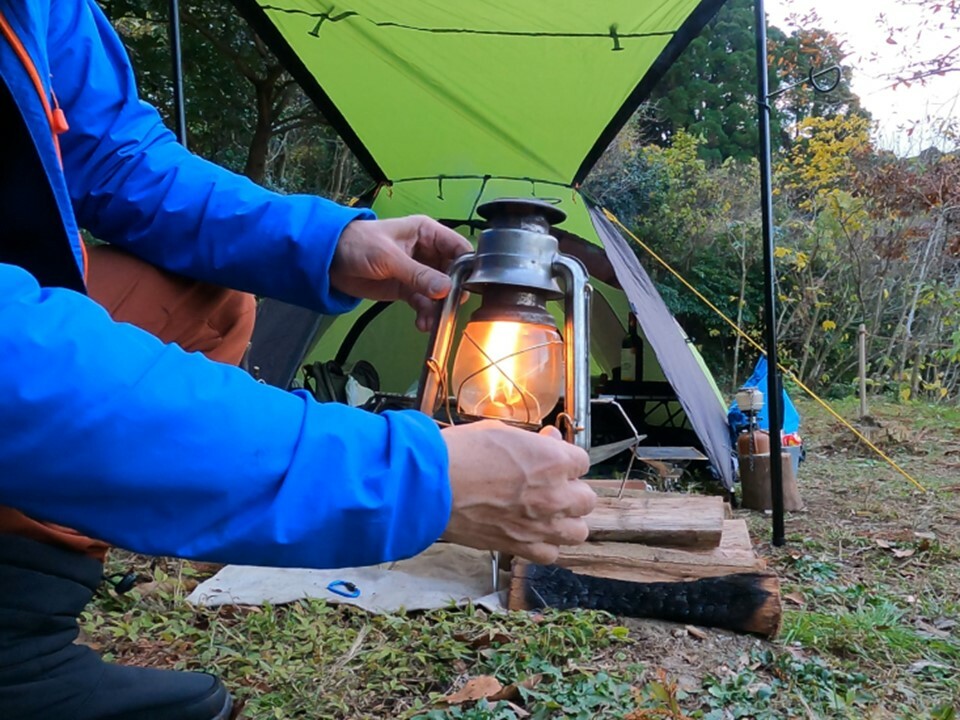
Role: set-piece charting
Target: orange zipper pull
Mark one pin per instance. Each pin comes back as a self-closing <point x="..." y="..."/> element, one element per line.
<point x="58" y="118"/>
<point x="58" y="122"/>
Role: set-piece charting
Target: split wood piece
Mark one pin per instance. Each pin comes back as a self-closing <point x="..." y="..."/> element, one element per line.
<point x="727" y="587"/>
<point x="635" y="488"/>
<point x="611" y="488"/>
<point x="744" y="602"/>
<point x="643" y="563"/>
<point x="662" y="519"/>
<point x="612" y="492"/>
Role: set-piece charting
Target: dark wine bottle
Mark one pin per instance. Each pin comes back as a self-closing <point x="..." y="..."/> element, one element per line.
<point x="630" y="357"/>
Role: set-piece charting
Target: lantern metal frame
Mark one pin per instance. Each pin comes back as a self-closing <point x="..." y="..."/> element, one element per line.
<point x="519" y="266"/>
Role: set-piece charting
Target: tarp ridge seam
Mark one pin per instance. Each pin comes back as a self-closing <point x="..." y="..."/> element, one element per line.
<point x="324" y="17"/>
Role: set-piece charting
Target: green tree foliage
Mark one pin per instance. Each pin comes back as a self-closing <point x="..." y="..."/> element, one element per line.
<point x="914" y="211"/>
<point x="868" y="238"/>
<point x="243" y="110"/>
<point x="711" y="90"/>
<point x="623" y="180"/>
<point x="861" y="237"/>
<point x="793" y="57"/>
<point x="704" y="220"/>
<point x="822" y="160"/>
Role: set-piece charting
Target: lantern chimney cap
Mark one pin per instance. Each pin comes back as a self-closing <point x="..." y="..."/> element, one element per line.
<point x="514" y="212"/>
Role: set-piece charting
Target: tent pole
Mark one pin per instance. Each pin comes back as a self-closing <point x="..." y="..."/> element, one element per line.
<point x="774" y="387"/>
<point x="179" y="108"/>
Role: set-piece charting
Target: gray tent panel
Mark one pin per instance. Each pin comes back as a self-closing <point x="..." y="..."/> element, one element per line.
<point x="694" y="390"/>
<point x="282" y="335"/>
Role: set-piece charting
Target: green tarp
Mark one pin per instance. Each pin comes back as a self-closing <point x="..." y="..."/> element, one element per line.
<point x="446" y="100"/>
<point x="451" y="104"/>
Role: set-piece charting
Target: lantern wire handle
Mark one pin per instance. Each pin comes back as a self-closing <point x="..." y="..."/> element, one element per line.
<point x="434" y="367"/>
<point x="566" y="419"/>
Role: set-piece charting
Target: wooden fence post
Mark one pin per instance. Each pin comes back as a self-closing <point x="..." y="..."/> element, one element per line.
<point x="863" y="369"/>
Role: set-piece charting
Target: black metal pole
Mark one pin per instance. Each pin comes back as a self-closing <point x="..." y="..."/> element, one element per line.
<point x="774" y="392"/>
<point x="179" y="108"/>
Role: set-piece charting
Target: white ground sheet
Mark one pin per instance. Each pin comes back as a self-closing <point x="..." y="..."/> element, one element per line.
<point x="442" y="575"/>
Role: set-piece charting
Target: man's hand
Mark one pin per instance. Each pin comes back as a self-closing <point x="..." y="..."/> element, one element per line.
<point x="516" y="491"/>
<point x="400" y="259"/>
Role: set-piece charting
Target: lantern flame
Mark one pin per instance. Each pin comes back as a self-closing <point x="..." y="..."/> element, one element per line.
<point x="502" y="346"/>
<point x="508" y="370"/>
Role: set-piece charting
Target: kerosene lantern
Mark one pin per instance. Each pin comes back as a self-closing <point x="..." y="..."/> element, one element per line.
<point x="512" y="363"/>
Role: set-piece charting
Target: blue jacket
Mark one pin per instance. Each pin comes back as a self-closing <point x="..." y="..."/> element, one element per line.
<point x="108" y="430"/>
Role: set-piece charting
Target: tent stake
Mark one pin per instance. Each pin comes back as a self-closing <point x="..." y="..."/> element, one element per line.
<point x="179" y="108"/>
<point x="774" y="391"/>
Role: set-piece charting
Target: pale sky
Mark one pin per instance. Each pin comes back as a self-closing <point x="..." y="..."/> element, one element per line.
<point x="856" y="23"/>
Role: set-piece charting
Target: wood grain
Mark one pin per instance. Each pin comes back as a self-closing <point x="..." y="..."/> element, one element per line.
<point x="662" y="519"/>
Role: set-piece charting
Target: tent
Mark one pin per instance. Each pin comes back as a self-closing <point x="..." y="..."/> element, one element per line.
<point x="449" y="105"/>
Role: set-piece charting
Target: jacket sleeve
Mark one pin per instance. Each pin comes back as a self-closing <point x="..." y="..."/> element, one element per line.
<point x="133" y="185"/>
<point x="110" y="431"/>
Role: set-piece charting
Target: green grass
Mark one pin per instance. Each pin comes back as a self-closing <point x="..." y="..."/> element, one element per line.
<point x="311" y="659"/>
<point x="871" y="570"/>
<point x="876" y="632"/>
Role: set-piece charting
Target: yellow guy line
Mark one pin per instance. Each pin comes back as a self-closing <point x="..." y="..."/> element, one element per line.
<point x="613" y="218"/>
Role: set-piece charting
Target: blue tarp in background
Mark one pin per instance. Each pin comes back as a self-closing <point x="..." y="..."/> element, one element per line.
<point x="738" y="421"/>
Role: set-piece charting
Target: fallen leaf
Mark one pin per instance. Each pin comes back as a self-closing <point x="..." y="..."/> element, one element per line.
<point x="796" y="598"/>
<point x="904" y="553"/>
<point x="517" y="710"/>
<point x="477" y="688"/>
<point x="921" y="665"/>
<point x="931" y="631"/>
<point x="797" y="653"/>
<point x="512" y="691"/>
<point x="484" y="639"/>
<point x="882" y="543"/>
<point x="84" y="639"/>
<point x="697" y="632"/>
<point x="925" y="535"/>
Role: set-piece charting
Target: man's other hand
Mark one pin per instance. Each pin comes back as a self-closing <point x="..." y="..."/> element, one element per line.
<point x="397" y="259"/>
<point x="516" y="491"/>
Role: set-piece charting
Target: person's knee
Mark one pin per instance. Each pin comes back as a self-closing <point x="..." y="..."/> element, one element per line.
<point x="234" y="323"/>
<point x="196" y="315"/>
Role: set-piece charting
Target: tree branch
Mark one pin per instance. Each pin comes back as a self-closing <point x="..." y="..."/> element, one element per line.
<point x="223" y="47"/>
<point x="291" y="124"/>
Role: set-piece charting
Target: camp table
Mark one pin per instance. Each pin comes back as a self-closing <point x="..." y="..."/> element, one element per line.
<point x="669" y="462"/>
